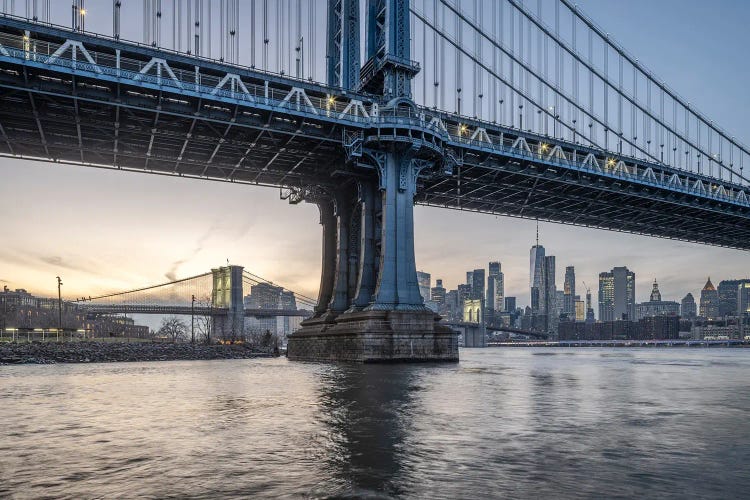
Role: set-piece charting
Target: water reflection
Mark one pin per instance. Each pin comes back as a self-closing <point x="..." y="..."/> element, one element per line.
<point x="365" y="410"/>
<point x="502" y="423"/>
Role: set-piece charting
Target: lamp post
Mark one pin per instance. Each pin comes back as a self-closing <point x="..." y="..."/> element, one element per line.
<point x="551" y="109"/>
<point x="192" y="320"/>
<point x="59" y="308"/>
<point x="5" y="309"/>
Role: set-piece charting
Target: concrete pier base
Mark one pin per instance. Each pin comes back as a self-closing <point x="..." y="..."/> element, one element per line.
<point x="375" y="337"/>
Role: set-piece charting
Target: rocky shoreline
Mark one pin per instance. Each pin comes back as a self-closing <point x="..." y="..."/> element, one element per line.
<point x="106" y="352"/>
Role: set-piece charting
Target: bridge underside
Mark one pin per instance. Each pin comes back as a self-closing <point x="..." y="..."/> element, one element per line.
<point x="123" y="128"/>
<point x="75" y="120"/>
<point x="530" y="189"/>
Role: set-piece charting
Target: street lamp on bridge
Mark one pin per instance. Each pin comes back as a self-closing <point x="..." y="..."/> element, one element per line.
<point x="59" y="307"/>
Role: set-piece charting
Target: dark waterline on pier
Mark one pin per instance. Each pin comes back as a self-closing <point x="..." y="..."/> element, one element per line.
<point x="514" y="423"/>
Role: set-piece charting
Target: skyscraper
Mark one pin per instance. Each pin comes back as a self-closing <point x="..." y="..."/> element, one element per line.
<point x="437" y="294"/>
<point x="489" y="303"/>
<point x="728" y="296"/>
<point x="500" y="292"/>
<point x="617" y="295"/>
<point x="536" y="278"/>
<point x="688" y="309"/>
<point x="709" y="307"/>
<point x="569" y="291"/>
<point x="464" y="294"/>
<point x="743" y="308"/>
<point x="425" y="282"/>
<point x="743" y="299"/>
<point x="495" y="289"/>
<point x="478" y="289"/>
<point x="478" y="284"/>
<point x="589" y="308"/>
<point x="580" y="307"/>
<point x="550" y="294"/>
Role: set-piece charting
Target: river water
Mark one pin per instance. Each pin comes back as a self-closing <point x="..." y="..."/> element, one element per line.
<point x="514" y="423"/>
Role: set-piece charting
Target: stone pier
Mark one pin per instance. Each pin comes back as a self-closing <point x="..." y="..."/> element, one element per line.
<point x="369" y="308"/>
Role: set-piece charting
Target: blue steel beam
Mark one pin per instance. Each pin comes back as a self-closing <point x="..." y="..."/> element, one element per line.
<point x="343" y="47"/>
<point x="389" y="69"/>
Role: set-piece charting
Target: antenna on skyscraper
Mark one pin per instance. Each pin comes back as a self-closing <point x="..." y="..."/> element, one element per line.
<point x="537" y="232"/>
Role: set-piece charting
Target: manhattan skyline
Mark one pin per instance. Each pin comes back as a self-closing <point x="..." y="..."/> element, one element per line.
<point x="106" y="230"/>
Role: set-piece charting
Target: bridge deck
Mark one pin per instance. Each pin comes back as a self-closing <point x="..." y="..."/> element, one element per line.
<point x="118" y="105"/>
<point x="188" y="310"/>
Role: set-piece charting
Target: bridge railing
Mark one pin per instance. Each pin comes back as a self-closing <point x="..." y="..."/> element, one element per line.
<point x="44" y="52"/>
<point x="612" y="165"/>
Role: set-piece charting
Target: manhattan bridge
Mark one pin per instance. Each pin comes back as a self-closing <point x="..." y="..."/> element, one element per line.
<point x="509" y="107"/>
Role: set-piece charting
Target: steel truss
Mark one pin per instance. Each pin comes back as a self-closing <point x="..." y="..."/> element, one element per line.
<point x="141" y="109"/>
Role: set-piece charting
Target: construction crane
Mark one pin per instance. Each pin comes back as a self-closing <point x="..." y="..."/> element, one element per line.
<point x="589" y="309"/>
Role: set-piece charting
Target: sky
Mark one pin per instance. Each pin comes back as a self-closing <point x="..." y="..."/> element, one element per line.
<point x="104" y="231"/>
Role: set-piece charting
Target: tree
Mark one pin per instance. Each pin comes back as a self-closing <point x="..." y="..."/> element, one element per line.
<point x="203" y="322"/>
<point x="174" y="329"/>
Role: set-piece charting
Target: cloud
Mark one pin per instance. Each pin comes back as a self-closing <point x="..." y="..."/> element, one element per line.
<point x="57" y="261"/>
<point x="238" y="231"/>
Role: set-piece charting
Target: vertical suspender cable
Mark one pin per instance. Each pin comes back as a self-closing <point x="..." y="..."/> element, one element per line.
<point x="540" y="64"/>
<point x="521" y="72"/>
<point x="646" y="119"/>
<point x="576" y="76"/>
<point x="412" y="49"/>
<point x="175" y="10"/>
<point x="558" y="62"/>
<point x="634" y="114"/>
<point x="478" y="53"/>
<point x="311" y="43"/>
<point x="189" y="34"/>
<point x="512" y="76"/>
<point x="591" y="87"/>
<point x="494" y="84"/>
<point x="673" y="136"/>
<point x="661" y="128"/>
<point x="115" y="18"/>
<point x="300" y="41"/>
<point x="424" y="56"/>
<point x="606" y="98"/>
<point x="290" y="19"/>
<point x="222" y="33"/>
<point x="198" y="26"/>
<point x="265" y="35"/>
<point x="158" y="23"/>
<point x="252" y="33"/>
<point x="435" y="56"/>
<point x="459" y="61"/>
<point x="686" y="138"/>
<point x="443" y="25"/>
<point x="619" y="105"/>
<point x="209" y="35"/>
<point x="281" y="37"/>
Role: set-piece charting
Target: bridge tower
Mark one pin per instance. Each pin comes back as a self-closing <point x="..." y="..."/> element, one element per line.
<point x="342" y="51"/>
<point x="369" y="305"/>
<point x="227" y="293"/>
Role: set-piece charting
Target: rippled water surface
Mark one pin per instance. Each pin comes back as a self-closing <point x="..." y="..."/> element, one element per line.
<point x="503" y="422"/>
